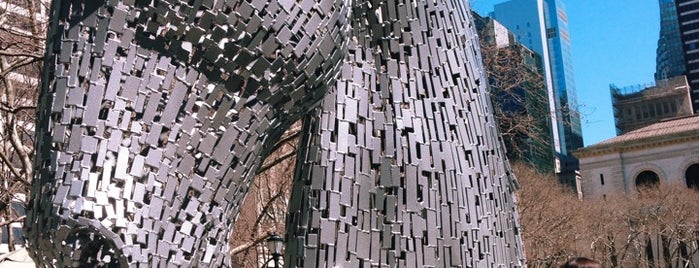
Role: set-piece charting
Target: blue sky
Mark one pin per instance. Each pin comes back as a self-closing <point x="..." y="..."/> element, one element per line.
<point x="613" y="42"/>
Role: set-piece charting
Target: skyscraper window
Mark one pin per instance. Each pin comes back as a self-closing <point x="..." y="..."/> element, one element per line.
<point x="547" y="25"/>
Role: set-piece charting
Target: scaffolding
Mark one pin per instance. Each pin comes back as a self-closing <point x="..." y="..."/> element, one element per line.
<point x="643" y="104"/>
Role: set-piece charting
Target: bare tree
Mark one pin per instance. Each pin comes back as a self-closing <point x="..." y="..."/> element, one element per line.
<point x="655" y="228"/>
<point x="22" y="41"/>
<point x="550" y="216"/>
<point x="265" y="208"/>
<point x="520" y="100"/>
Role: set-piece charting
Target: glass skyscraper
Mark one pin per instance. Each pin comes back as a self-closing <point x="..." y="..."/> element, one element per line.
<point x="669" y="58"/>
<point x="542" y="25"/>
<point x="524" y="98"/>
<point x="688" y="20"/>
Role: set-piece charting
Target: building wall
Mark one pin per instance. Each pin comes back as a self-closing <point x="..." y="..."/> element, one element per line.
<point x="525" y="19"/>
<point x="531" y="96"/>
<point x="542" y="26"/>
<point x="688" y="18"/>
<point x="621" y="166"/>
<point x="634" y="109"/>
<point x="18" y="17"/>
<point x="502" y="35"/>
<point x="20" y="13"/>
<point x="558" y="39"/>
<point x="669" y="57"/>
<point x="666" y="148"/>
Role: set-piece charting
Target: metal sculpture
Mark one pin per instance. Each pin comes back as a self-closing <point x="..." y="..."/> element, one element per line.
<point x="155" y="114"/>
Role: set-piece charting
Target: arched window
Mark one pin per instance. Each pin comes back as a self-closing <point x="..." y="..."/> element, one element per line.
<point x="691" y="176"/>
<point x="646" y="179"/>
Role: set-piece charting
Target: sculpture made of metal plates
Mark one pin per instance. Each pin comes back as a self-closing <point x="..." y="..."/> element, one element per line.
<point x="154" y="116"/>
<point x="402" y="166"/>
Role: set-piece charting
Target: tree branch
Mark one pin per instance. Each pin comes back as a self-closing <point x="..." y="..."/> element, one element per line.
<point x="20" y="54"/>
<point x="293" y="134"/>
<point x="245" y="246"/>
<point x="18" y="219"/>
<point x="11" y="67"/>
<point x="266" y="208"/>
<point x="276" y="161"/>
<point x="15" y="109"/>
<point x="12" y="169"/>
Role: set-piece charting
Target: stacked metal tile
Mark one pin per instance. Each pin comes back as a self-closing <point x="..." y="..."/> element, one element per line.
<point x="155" y="114"/>
<point x="403" y="166"/>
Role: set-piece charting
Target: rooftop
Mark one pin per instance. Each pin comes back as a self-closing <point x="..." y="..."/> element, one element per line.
<point x="675" y="129"/>
<point x="659" y="87"/>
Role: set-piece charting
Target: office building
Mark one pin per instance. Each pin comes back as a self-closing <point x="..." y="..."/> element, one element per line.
<point x="669" y="55"/>
<point x="22" y="29"/>
<point x="688" y="18"/>
<point x="670" y="95"/>
<point x="542" y="26"/>
<point x="524" y="97"/>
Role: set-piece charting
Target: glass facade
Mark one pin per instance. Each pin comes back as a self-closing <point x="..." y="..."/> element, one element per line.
<point x="529" y="97"/>
<point x="688" y="20"/>
<point x="542" y="25"/>
<point x="670" y="58"/>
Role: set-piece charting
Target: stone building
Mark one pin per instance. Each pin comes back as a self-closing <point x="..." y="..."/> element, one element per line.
<point x="639" y="106"/>
<point x="664" y="152"/>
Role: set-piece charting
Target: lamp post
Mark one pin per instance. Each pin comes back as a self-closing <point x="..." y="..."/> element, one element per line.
<point x="274" y="245"/>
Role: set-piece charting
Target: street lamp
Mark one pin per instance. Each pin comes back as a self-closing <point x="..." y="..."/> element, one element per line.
<point x="274" y="245"/>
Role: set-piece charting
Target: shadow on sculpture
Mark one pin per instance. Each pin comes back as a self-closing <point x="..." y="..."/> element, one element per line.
<point x="155" y="115"/>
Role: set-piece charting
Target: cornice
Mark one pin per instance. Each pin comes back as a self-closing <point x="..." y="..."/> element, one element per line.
<point x="638" y="145"/>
